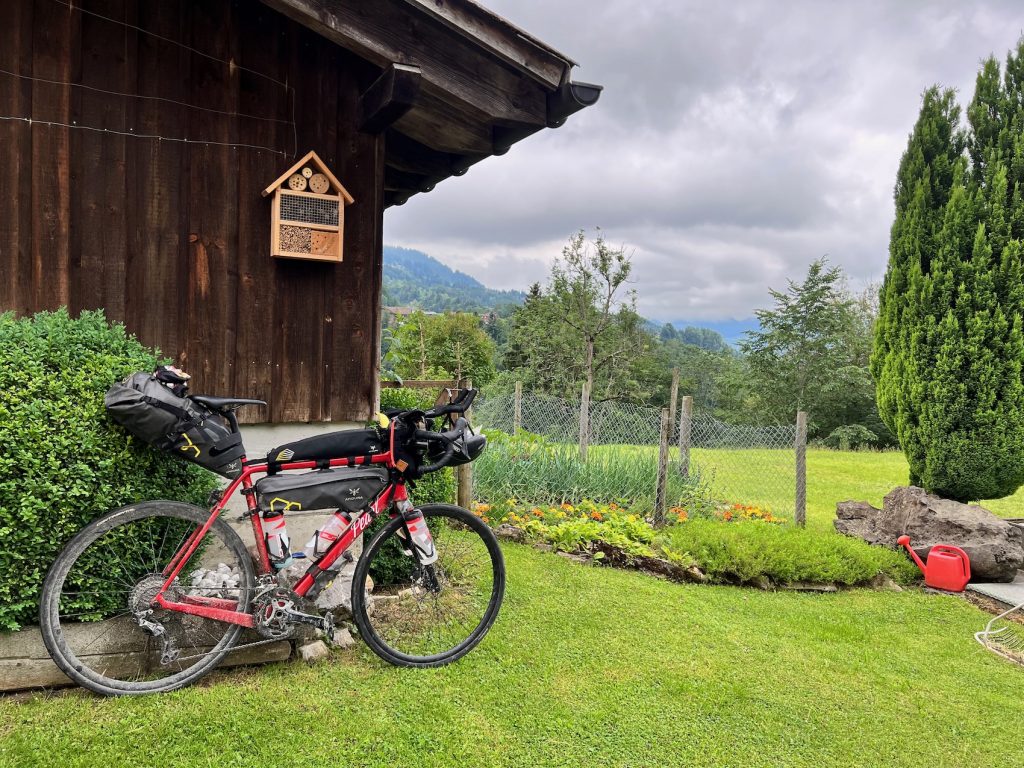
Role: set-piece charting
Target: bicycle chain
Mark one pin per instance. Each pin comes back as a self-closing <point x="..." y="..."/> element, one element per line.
<point x="232" y="649"/>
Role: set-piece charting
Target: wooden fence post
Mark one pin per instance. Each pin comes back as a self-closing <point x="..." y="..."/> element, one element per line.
<point x="685" y="432"/>
<point x="673" y="396"/>
<point x="517" y="408"/>
<point x="660" y="491"/>
<point x="801" y="468"/>
<point x="464" y="473"/>
<point x="584" y="421"/>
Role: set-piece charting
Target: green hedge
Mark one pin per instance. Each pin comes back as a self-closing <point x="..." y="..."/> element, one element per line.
<point x="63" y="463"/>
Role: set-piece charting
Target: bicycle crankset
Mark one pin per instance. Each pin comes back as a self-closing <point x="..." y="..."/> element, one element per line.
<point x="276" y="617"/>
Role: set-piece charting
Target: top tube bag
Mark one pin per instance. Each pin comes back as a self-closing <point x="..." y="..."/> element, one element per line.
<point x="148" y="409"/>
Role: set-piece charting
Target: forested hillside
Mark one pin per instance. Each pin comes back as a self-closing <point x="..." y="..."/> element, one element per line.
<point x="412" y="278"/>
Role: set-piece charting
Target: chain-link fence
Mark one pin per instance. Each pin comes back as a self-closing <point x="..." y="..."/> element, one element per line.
<point x="750" y="465"/>
<point x="534" y="456"/>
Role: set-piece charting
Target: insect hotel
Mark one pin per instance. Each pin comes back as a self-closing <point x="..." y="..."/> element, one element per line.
<point x="308" y="212"/>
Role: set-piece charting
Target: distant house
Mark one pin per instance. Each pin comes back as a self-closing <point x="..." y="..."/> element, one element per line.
<point x="136" y="139"/>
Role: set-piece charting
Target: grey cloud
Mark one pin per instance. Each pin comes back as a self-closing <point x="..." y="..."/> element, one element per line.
<point x="734" y="143"/>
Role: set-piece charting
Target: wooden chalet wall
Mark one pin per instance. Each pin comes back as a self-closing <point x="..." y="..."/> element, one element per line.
<point x="172" y="238"/>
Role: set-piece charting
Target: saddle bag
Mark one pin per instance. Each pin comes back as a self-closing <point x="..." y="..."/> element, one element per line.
<point x="349" y="488"/>
<point x="148" y="409"/>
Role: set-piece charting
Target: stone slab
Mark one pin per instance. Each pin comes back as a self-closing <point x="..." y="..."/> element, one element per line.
<point x="1010" y="594"/>
<point x="25" y="664"/>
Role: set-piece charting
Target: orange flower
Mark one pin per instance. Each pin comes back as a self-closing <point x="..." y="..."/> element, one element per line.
<point x="596" y="515"/>
<point x="536" y="511"/>
<point x="681" y="515"/>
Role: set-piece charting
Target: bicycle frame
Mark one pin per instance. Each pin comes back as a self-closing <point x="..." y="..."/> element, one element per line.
<point x="226" y="610"/>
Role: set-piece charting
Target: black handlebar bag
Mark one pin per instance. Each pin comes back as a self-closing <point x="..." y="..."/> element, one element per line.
<point x="152" y="412"/>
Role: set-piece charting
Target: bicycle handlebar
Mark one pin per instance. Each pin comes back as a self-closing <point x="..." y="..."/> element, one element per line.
<point x="459" y="406"/>
<point x="448" y="438"/>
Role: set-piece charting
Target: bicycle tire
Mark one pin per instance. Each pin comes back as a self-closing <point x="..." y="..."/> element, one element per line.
<point x="54" y="636"/>
<point x="361" y="602"/>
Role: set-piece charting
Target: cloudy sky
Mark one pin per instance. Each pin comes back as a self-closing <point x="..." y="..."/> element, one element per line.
<point x="734" y="143"/>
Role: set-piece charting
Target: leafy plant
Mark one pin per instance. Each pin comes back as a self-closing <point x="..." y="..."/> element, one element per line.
<point x="528" y="466"/>
<point x="63" y="462"/>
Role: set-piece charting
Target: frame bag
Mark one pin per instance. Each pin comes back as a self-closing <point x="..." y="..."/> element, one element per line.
<point x="349" y="488"/>
<point x="152" y="412"/>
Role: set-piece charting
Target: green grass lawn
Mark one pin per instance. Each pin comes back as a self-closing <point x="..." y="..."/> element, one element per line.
<point x="592" y="666"/>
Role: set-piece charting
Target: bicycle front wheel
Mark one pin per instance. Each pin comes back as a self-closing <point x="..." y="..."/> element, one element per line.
<point x="97" y="615"/>
<point x="427" y="616"/>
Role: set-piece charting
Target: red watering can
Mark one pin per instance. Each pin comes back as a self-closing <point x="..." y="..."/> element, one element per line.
<point x="948" y="567"/>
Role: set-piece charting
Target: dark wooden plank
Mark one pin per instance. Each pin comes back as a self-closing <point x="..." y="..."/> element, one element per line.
<point x="157" y="181"/>
<point x="55" y="38"/>
<point x="213" y="187"/>
<point x="15" y="154"/>
<point x="300" y="285"/>
<point x="356" y="292"/>
<point x="259" y="48"/>
<point x="99" y="238"/>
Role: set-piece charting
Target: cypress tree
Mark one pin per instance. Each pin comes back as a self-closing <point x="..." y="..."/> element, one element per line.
<point x="949" y="343"/>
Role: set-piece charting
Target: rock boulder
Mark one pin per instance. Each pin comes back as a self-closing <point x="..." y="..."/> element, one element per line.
<point x="995" y="547"/>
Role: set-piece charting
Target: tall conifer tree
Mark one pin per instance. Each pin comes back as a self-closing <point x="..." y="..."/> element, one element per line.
<point x="949" y="345"/>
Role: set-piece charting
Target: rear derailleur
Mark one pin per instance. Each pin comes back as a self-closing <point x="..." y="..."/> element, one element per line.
<point x="168" y="653"/>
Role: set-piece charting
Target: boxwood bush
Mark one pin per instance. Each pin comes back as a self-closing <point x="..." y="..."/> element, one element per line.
<point x="62" y="462"/>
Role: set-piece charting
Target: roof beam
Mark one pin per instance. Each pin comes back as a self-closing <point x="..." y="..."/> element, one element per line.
<point x="391" y="96"/>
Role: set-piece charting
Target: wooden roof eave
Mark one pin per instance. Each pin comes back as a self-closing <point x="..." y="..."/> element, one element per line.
<point x="455" y="65"/>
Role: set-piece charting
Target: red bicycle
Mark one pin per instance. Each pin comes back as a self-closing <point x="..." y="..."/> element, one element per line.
<point x="179" y="588"/>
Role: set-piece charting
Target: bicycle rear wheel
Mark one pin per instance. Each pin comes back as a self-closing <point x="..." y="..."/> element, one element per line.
<point x="427" y="616"/>
<point x="96" y="614"/>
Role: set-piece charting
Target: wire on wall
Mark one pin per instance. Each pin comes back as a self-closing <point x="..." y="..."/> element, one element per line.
<point x="230" y="64"/>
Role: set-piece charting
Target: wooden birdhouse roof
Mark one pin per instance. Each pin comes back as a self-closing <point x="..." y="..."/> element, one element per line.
<point x="311" y="158"/>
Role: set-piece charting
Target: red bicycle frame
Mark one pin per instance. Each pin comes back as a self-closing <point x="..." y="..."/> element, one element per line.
<point x="227" y="610"/>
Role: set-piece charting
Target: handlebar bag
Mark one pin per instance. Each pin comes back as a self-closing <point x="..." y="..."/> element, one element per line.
<point x="349" y="488"/>
<point x="152" y="412"/>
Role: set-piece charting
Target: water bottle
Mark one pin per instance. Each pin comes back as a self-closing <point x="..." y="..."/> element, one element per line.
<point x="328" y="533"/>
<point x="422" y="542"/>
<point x="276" y="536"/>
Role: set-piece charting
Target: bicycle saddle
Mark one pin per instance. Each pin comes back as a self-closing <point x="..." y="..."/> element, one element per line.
<point x="220" y="403"/>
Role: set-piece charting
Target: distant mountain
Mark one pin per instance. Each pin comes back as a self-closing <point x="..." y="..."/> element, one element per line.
<point x="412" y="278"/>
